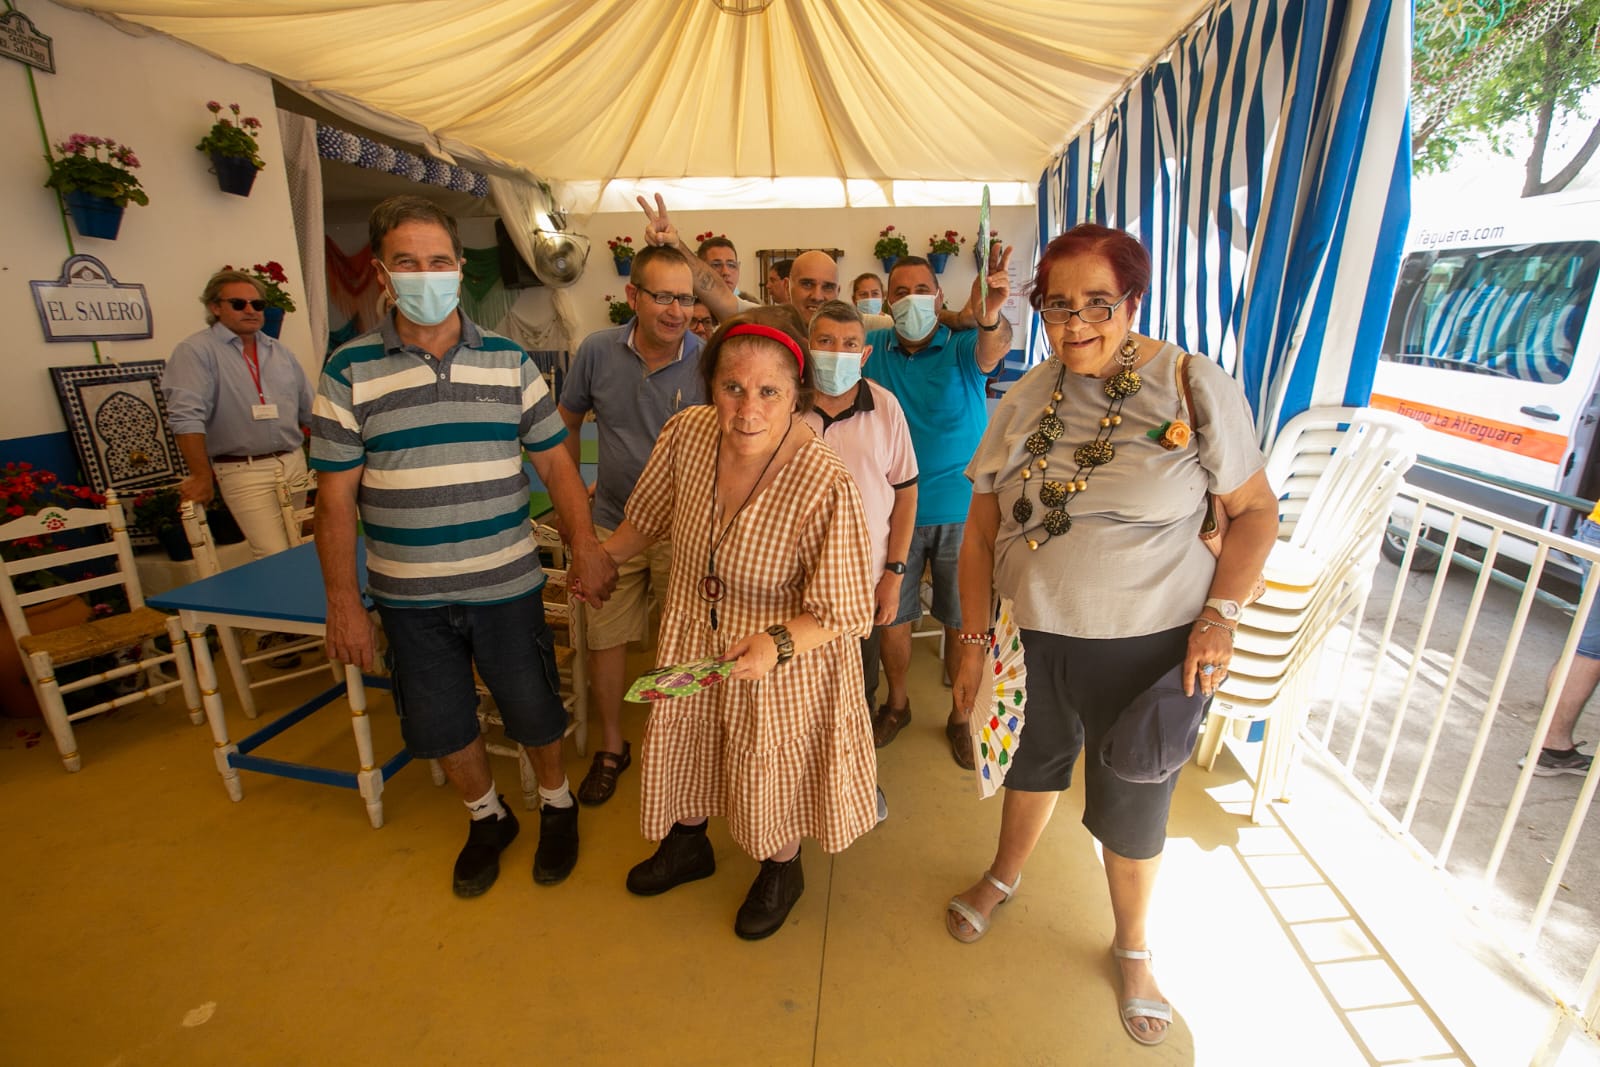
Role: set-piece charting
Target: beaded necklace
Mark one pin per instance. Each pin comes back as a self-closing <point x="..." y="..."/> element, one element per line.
<point x="1058" y="495"/>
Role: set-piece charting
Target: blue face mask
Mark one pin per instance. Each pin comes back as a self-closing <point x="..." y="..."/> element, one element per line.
<point x="915" y="315"/>
<point x="835" y="372"/>
<point x="427" y="298"/>
<point x="872" y="305"/>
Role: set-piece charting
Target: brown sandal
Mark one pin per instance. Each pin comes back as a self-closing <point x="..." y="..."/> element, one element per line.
<point x="601" y="781"/>
<point x="889" y="723"/>
<point x="960" y="743"/>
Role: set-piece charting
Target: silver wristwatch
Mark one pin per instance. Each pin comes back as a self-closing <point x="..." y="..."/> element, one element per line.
<point x="1228" y="609"/>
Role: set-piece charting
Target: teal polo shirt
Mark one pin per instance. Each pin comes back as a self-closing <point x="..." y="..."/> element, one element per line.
<point x="944" y="396"/>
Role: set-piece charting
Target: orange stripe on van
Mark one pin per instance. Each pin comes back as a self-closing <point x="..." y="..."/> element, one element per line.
<point x="1535" y="444"/>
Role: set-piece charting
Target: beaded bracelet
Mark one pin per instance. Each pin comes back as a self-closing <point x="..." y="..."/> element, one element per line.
<point x="979" y="638"/>
<point x="1210" y="624"/>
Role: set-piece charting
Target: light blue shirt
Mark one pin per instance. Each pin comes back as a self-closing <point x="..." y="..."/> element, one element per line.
<point x="943" y="394"/>
<point x="210" y="390"/>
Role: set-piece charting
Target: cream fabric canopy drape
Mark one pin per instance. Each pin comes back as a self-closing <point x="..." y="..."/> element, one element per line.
<point x="590" y="90"/>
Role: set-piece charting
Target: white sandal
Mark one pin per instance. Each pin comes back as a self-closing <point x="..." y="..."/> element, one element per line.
<point x="1135" y="1008"/>
<point x="978" y="922"/>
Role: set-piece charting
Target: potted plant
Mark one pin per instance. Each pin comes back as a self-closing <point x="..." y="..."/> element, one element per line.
<point x="273" y="279"/>
<point x="618" y="310"/>
<point x="981" y="255"/>
<point x="155" y="511"/>
<point x="621" y="253"/>
<point x="231" y="144"/>
<point x="942" y="246"/>
<point x="890" y="247"/>
<point x="25" y="490"/>
<point x="95" y="177"/>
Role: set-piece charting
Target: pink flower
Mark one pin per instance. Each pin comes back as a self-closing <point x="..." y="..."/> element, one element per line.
<point x="213" y="107"/>
<point x="16" y="511"/>
<point x="252" y="124"/>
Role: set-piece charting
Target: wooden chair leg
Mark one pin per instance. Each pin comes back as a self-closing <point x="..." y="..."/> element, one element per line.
<point x="181" y="659"/>
<point x="42" y="673"/>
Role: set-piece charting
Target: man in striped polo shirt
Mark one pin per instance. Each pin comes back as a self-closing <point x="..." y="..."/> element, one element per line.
<point x="419" y="431"/>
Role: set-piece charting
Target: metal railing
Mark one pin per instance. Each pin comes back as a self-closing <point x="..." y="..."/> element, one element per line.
<point x="1437" y="679"/>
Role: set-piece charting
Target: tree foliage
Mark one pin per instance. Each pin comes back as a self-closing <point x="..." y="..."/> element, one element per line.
<point x="1544" y="78"/>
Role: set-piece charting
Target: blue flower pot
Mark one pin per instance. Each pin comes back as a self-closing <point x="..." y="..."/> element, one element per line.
<point x="937" y="260"/>
<point x="235" y="174"/>
<point x="272" y="322"/>
<point x="94" y="216"/>
<point x="888" y="263"/>
<point x="623" y="266"/>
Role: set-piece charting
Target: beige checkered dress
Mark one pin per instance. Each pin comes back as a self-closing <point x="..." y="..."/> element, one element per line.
<point x="789" y="755"/>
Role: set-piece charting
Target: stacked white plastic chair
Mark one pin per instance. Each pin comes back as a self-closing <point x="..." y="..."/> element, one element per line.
<point x="1337" y="471"/>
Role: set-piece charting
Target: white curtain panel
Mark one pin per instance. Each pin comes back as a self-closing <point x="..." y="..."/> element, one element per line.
<point x="304" y="171"/>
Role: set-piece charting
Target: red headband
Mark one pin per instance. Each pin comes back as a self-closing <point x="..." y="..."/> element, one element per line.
<point x="755" y="329"/>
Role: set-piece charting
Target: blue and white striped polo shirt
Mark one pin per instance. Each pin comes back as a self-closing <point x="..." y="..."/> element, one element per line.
<point x="443" y="498"/>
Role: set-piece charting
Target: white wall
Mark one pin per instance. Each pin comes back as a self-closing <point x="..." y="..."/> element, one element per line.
<point x="149" y="93"/>
<point x="855" y="230"/>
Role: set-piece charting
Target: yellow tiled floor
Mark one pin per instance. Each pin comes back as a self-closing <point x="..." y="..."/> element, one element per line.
<point x="151" y="921"/>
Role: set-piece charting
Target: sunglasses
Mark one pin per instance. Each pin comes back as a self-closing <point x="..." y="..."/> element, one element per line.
<point x="240" y="305"/>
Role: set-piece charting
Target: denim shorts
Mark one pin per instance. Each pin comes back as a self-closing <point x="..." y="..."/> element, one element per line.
<point x="431" y="655"/>
<point x="1589" y="643"/>
<point x="938" y="546"/>
<point x="1076" y="689"/>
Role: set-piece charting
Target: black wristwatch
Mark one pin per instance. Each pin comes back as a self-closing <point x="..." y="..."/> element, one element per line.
<point x="895" y="568"/>
<point x="988" y="329"/>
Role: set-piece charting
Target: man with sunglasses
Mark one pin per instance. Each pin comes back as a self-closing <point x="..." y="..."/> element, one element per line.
<point x="238" y="404"/>
<point x="633" y="377"/>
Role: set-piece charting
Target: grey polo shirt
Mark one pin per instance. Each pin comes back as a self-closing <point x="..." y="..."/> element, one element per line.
<point x="209" y="389"/>
<point x="630" y="405"/>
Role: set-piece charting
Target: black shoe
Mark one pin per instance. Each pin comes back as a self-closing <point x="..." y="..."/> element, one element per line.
<point x="557" y="853"/>
<point x="684" y="855"/>
<point x="478" y="865"/>
<point x="771" y="896"/>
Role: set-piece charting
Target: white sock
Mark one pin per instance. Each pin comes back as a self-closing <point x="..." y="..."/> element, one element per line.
<point x="556" y="798"/>
<point x="487" y="806"/>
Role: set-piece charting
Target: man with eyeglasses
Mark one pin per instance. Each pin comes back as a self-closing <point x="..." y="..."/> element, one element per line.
<point x="701" y="322"/>
<point x="238" y="402"/>
<point x="941" y="378"/>
<point x="633" y="377"/>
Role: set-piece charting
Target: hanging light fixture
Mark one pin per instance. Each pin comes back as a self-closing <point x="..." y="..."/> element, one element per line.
<point x="743" y="7"/>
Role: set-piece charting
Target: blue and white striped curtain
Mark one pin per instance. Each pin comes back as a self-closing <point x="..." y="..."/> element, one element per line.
<point x="1265" y="162"/>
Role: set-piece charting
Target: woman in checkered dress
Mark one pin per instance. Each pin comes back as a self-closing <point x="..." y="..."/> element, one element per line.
<point x="771" y="570"/>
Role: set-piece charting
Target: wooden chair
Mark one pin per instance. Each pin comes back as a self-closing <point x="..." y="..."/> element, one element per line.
<point x="107" y="559"/>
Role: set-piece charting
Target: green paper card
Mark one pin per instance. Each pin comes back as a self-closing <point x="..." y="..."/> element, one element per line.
<point x="679" y="680"/>
<point x="983" y="246"/>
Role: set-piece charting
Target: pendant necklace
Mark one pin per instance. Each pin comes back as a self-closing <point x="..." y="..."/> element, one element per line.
<point x="1058" y="495"/>
<point x="713" y="588"/>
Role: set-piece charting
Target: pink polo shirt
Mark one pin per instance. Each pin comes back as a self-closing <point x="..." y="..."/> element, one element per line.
<point x="872" y="439"/>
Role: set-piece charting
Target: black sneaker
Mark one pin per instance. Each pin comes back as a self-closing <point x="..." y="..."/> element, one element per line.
<point x="479" y="863"/>
<point x="773" y="893"/>
<point x="1554" y="761"/>
<point x="557" y="853"/>
<point x="684" y="855"/>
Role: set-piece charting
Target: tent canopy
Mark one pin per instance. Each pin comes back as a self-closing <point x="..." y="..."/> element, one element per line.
<point x="591" y="90"/>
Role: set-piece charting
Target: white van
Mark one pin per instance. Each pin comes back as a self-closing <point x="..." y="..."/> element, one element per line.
<point x="1493" y="344"/>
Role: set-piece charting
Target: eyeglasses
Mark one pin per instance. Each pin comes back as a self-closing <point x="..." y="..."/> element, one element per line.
<point x="1058" y="314"/>
<point x="723" y="264"/>
<point x="703" y="324"/>
<point x="240" y="305"/>
<point x="683" y="300"/>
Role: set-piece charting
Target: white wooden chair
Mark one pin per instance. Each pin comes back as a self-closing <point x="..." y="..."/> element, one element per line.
<point x="106" y="561"/>
<point x="566" y="618"/>
<point x="245" y="682"/>
<point x="296" y="520"/>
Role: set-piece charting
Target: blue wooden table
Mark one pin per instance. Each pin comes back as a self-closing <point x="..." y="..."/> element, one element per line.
<point x="281" y="593"/>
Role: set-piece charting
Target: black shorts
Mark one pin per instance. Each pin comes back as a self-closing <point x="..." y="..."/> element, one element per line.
<point x="1076" y="688"/>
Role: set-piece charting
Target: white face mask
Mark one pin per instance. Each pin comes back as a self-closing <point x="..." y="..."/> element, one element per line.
<point x="835" y="372"/>
<point x="872" y="305"/>
<point x="427" y="298"/>
<point x="915" y="315"/>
